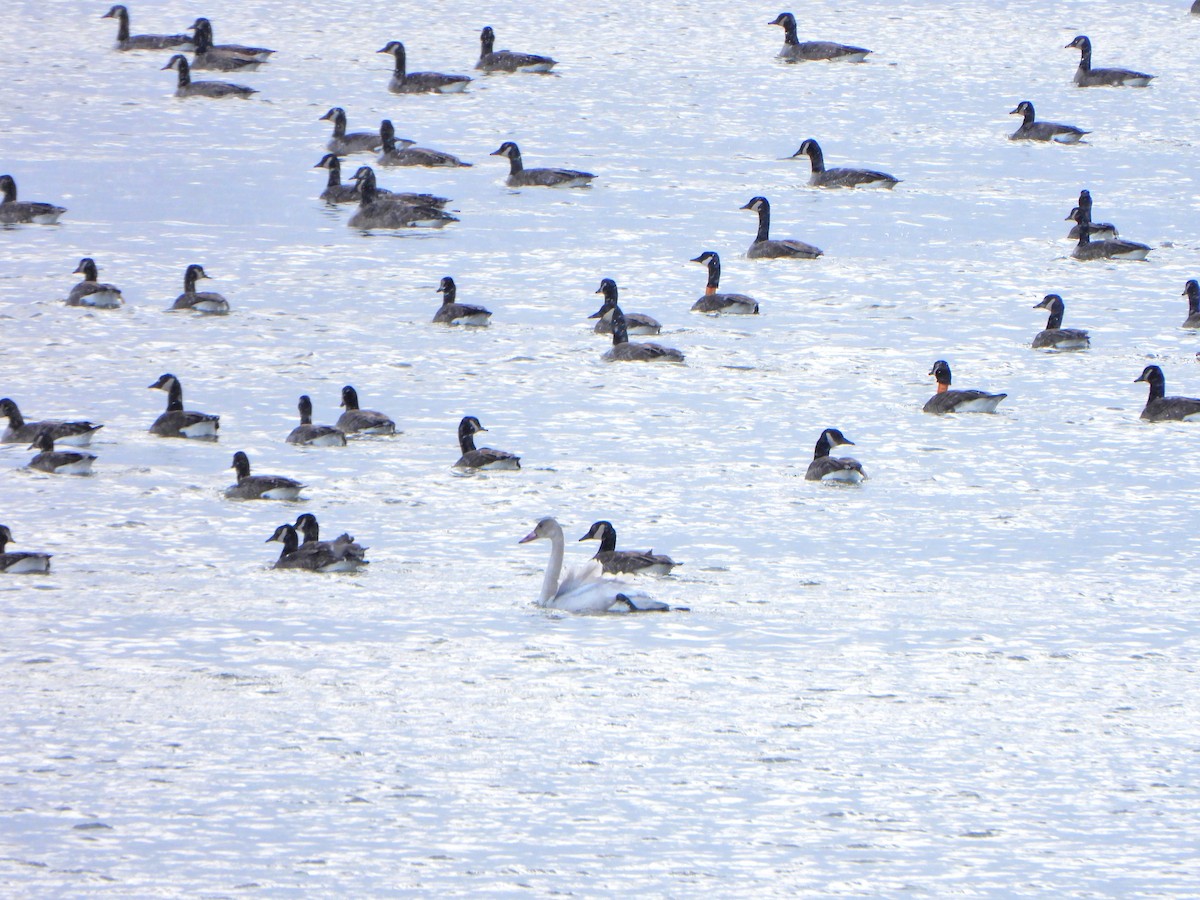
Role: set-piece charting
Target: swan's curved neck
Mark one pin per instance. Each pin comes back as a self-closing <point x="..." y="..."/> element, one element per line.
<point x="553" y="569"/>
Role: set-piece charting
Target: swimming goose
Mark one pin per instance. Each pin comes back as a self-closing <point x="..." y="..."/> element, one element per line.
<point x="260" y="487"/>
<point x="362" y="421"/>
<point x="714" y="302"/>
<point x="635" y="323"/>
<point x="1159" y="407"/>
<point x="199" y="301"/>
<point x="21" y="562"/>
<point x="1112" y="248"/>
<point x="796" y="51"/>
<point x="143" y="41"/>
<point x="519" y="176"/>
<point x="90" y="291"/>
<point x="948" y="401"/>
<point x="1031" y="130"/>
<point x="59" y="462"/>
<point x="313" y="559"/>
<point x="452" y="312"/>
<point x="1191" y="290"/>
<point x="341" y="142"/>
<point x="1103" y="230"/>
<point x="77" y="434"/>
<point x="343" y="547"/>
<point x="584" y="590"/>
<point x="410" y="155"/>
<point x="179" y="422"/>
<point x="506" y="60"/>
<point x="625" y="562"/>
<point x="765" y="248"/>
<point x="336" y="192"/>
<point x="378" y="211"/>
<point x="20" y="212"/>
<point x="833" y="468"/>
<point x="314" y="435"/>
<point x="1086" y="76"/>
<point x="1055" y="337"/>
<point x="482" y="457"/>
<point x="188" y="88"/>
<point x="215" y="59"/>
<point x="623" y="350"/>
<point x="841" y="177"/>
<point x="405" y="82"/>
<point x="203" y="26"/>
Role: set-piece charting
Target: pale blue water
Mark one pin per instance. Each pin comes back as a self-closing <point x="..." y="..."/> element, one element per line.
<point x="972" y="675"/>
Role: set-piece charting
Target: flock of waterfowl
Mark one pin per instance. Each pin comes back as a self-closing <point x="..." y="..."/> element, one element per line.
<point x="586" y="590"/>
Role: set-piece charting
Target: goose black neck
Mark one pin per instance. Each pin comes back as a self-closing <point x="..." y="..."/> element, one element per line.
<point x="88" y="268"/>
<point x="189" y="279"/>
<point x="1055" y="318"/>
<point x="608" y="542"/>
<point x="818" y="158"/>
<point x="1193" y="295"/>
<point x="1085" y="204"/>
<point x="823" y="446"/>
<point x="9" y="187"/>
<point x="15" y="419"/>
<point x="339" y="124"/>
<point x="290" y="541"/>
<point x="305" y="411"/>
<point x="1158" y="386"/>
<point x="466" y="437"/>
<point x="1085" y="230"/>
<point x="203" y="39"/>
<point x="308" y="525"/>
<point x="1085" y="56"/>
<point x="241" y="465"/>
<point x="1027" y="117"/>
<point x="764" y="222"/>
<point x="487" y="40"/>
<point x="335" y="173"/>
<point x="367" y="191"/>
<point x="185" y="72"/>
<point x="620" y="331"/>
<point x="175" y="396"/>
<point x="789" y="30"/>
<point x="401" y="62"/>
<point x="122" y="24"/>
<point x="714" y="274"/>
<point x="449" y="292"/>
<point x="515" y="164"/>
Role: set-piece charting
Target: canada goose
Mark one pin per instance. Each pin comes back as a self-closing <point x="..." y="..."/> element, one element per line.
<point x="362" y="421"/>
<point x="491" y="60"/>
<point x="583" y="590"/>
<point x="187" y="88"/>
<point x="948" y="401"/>
<point x="125" y="41"/>
<point x="715" y="302"/>
<point x="832" y="468"/>
<point x="341" y="142"/>
<point x="410" y="155"/>
<point x="314" y="435"/>
<point x="77" y="434"/>
<point x="343" y="547"/>
<point x="623" y="350"/>
<point x="1083" y="213"/>
<point x="841" y="177"/>
<point x="260" y="487"/>
<point x="199" y="301"/>
<point x="178" y="422"/>
<point x="215" y="59"/>
<point x="796" y="51"/>
<point x="21" y="562"/>
<point x="59" y="462"/>
<point x="405" y="82"/>
<point x="336" y="192"/>
<point x="1112" y="248"/>
<point x="91" y="291"/>
<point x="1191" y="290"/>
<point x="1055" y="337"/>
<point x="625" y="562"/>
<point x="764" y="248"/>
<point x="482" y="457"/>
<point x="452" y="312"/>
<point x="203" y="25"/>
<point x="1161" y="408"/>
<point x="20" y="212"/>
<point x="1086" y="76"/>
<point x="635" y="323"/>
<point x="312" y="558"/>
<point x="377" y="211"/>
<point x="519" y="176"/>
<point x="1031" y="130"/>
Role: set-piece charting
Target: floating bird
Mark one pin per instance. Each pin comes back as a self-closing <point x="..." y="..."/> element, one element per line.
<point x="1083" y="213"/>
<point x="362" y="421"/>
<point x="506" y="60"/>
<point x="260" y="487"/>
<point x="21" y="562"/>
<point x="410" y="155"/>
<point x="948" y="401"/>
<point x="452" y="312"/>
<point x="715" y="302"/>
<point x="21" y="212"/>
<point x="583" y="590"/>
<point x="1055" y="337"/>
<point x="625" y="562"/>
<point x="314" y="435"/>
<point x="336" y="192"/>
<point x="635" y="323"/>
<point x="178" y="422"/>
<point x="833" y="468"/>
<point x="1031" y="130"/>
<point x="199" y="301"/>
<point x="1111" y="248"/>
<point x="623" y="350"/>
<point x="59" y="462"/>
<point x="187" y="88"/>
<point x="341" y="142"/>
<point x="764" y="248"/>
<point x="378" y="211"/>
<point x="796" y="51"/>
<point x="125" y="41"/>
<point x="77" y="434"/>
<point x="1191" y="290"/>
<point x="405" y="82"/>
<point x="1086" y="76"/>
<point x="343" y="547"/>
<point x="519" y="176"/>
<point x="216" y="59"/>
<point x="482" y="457"/>
<point x="204" y="27"/>
<point x="316" y="559"/>
<point x="841" y="177"/>
<point x="92" y="292"/>
<point x="1161" y="408"/>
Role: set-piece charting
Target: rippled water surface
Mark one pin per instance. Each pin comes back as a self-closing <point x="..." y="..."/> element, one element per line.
<point x="973" y="675"/>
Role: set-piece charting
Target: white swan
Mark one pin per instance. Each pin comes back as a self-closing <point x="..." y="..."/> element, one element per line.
<point x="583" y="590"/>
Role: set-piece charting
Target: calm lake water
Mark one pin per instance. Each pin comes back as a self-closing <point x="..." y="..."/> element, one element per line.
<point x="974" y="674"/>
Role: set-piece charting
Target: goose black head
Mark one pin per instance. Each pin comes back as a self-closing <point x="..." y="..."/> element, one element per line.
<point x="941" y="371"/>
<point x="349" y="397"/>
